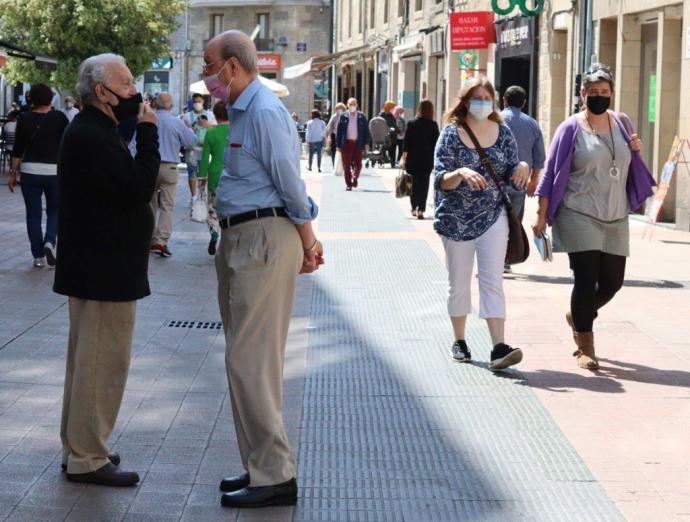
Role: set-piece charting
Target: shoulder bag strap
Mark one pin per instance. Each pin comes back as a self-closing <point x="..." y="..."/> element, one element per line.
<point x="486" y="162"/>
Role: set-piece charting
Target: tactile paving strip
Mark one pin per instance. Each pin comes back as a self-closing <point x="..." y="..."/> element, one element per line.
<point x="394" y="430"/>
<point x="362" y="210"/>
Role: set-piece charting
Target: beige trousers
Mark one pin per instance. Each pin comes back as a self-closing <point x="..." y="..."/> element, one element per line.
<point x="257" y="265"/>
<point x="98" y="355"/>
<point x="163" y="203"/>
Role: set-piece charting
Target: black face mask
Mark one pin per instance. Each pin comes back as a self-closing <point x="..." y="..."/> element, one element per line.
<point x="125" y="107"/>
<point x="598" y="104"/>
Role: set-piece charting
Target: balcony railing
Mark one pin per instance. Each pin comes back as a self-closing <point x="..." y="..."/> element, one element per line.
<point x="265" y="44"/>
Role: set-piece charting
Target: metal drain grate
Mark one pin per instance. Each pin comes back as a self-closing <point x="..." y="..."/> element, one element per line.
<point x="200" y="325"/>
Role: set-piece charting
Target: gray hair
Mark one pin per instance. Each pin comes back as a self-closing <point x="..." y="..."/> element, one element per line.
<point x="597" y="73"/>
<point x="244" y="51"/>
<point x="92" y="71"/>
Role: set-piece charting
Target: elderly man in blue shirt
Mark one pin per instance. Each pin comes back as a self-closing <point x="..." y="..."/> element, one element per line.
<point x="266" y="241"/>
<point x="173" y="135"/>
<point x="530" y="142"/>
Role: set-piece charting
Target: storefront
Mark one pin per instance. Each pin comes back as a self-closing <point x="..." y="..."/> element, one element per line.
<point x="516" y="57"/>
<point x="269" y="65"/>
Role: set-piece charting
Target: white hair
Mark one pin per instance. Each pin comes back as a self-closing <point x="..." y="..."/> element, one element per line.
<point x="92" y="71"/>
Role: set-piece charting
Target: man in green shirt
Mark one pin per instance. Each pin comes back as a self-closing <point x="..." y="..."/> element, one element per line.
<point x="209" y="171"/>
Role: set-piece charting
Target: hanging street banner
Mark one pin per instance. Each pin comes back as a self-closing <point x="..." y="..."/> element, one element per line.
<point x="471" y="30"/>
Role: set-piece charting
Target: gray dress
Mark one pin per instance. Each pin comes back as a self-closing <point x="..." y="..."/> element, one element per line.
<point x="594" y="211"/>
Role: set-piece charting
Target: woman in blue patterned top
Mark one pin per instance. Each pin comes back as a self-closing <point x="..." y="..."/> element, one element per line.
<point x="471" y="217"/>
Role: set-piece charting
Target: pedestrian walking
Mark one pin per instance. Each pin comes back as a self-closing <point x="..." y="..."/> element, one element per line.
<point x="34" y="158"/>
<point x="266" y="240"/>
<point x="70" y="109"/>
<point x="199" y="120"/>
<point x="173" y="135"/>
<point x="530" y="142"/>
<point x="353" y="139"/>
<point x="471" y="216"/>
<point x="314" y="137"/>
<point x="9" y="131"/>
<point x="387" y="114"/>
<point x="418" y="154"/>
<point x="594" y="177"/>
<point x="400" y="127"/>
<point x="211" y="166"/>
<point x="331" y="128"/>
<point x="102" y="264"/>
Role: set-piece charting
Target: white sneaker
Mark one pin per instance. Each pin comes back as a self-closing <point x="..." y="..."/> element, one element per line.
<point x="39" y="262"/>
<point x="49" y="251"/>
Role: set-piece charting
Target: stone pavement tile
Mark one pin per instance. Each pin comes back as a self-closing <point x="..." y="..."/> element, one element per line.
<point x="147" y="517"/>
<point x="86" y="515"/>
<point x="44" y="514"/>
<point x="270" y="514"/>
<point x="108" y="500"/>
<point x="216" y="513"/>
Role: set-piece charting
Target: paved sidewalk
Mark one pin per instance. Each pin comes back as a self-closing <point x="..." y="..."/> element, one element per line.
<point x="385" y="425"/>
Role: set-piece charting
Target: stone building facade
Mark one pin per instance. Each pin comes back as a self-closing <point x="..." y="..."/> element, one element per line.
<point x="290" y="31"/>
<point x="400" y="50"/>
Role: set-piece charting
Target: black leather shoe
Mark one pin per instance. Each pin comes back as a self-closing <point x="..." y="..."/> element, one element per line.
<point x="114" y="459"/>
<point x="284" y="494"/>
<point x="108" y="475"/>
<point x="235" y="483"/>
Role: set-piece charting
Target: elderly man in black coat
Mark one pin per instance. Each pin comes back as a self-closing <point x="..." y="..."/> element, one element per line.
<point x="105" y="225"/>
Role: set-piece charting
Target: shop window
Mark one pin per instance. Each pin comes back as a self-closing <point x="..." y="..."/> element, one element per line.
<point x="216" y="24"/>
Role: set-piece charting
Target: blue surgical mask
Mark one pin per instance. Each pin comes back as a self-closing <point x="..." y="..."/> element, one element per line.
<point x="480" y="109"/>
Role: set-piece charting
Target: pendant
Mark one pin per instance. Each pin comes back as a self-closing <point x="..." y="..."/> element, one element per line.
<point x="615" y="172"/>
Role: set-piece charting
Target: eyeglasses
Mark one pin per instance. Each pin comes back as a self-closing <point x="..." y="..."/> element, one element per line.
<point x="206" y="66"/>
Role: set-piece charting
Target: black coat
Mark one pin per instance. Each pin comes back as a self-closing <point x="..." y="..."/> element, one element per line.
<point x="420" y="142"/>
<point x="105" y="220"/>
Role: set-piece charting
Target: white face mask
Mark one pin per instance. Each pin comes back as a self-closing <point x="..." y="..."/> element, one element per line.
<point x="352" y="108"/>
<point x="198" y="107"/>
<point x="339" y="112"/>
<point x="481" y="110"/>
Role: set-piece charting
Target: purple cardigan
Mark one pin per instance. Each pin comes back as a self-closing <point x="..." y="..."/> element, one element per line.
<point x="555" y="179"/>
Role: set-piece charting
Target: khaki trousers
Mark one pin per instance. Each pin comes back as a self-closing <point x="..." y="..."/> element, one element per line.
<point x="163" y="203"/>
<point x="98" y="355"/>
<point x="257" y="266"/>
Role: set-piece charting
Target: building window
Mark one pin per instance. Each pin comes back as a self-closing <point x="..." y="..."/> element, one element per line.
<point x="417" y="5"/>
<point x="216" y="24"/>
<point x="401" y="8"/>
<point x="372" y="13"/>
<point x="262" y="41"/>
<point x="349" y="21"/>
<point x="385" y="11"/>
<point x="262" y="21"/>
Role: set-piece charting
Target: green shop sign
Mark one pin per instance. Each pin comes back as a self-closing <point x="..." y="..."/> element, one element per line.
<point x="522" y="4"/>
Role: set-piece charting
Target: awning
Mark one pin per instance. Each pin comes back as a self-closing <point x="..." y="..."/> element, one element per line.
<point x="276" y="88"/>
<point x="15" y="51"/>
<point x="319" y="63"/>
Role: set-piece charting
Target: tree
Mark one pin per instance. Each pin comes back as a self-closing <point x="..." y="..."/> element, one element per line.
<point x="72" y="30"/>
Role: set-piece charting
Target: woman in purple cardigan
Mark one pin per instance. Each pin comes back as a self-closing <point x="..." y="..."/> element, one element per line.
<point x="594" y="177"/>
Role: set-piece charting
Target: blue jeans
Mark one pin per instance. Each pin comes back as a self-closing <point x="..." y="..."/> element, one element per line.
<point x="315" y="147"/>
<point x="33" y="188"/>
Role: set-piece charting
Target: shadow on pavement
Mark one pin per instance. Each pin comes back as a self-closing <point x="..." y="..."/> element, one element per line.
<point x="561" y="280"/>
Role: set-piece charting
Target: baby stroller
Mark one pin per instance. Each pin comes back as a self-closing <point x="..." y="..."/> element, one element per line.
<point x="380" y="142"/>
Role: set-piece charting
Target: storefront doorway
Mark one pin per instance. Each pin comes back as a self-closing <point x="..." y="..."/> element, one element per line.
<point x="516" y="58"/>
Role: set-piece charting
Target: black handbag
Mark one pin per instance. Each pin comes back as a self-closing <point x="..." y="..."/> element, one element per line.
<point x="518" y="244"/>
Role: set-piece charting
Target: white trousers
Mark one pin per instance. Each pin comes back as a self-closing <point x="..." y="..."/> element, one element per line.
<point x="490" y="249"/>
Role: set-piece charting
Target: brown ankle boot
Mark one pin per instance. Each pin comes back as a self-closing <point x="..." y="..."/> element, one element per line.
<point x="569" y="320"/>
<point x="585" y="351"/>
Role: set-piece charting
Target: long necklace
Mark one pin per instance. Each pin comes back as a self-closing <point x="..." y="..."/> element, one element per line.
<point x="614" y="171"/>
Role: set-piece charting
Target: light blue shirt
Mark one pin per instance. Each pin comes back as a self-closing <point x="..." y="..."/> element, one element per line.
<point x="261" y="165"/>
<point x="172" y="134"/>
<point x="528" y="135"/>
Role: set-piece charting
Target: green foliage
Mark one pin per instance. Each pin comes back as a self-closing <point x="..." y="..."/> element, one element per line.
<point x="72" y="30"/>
